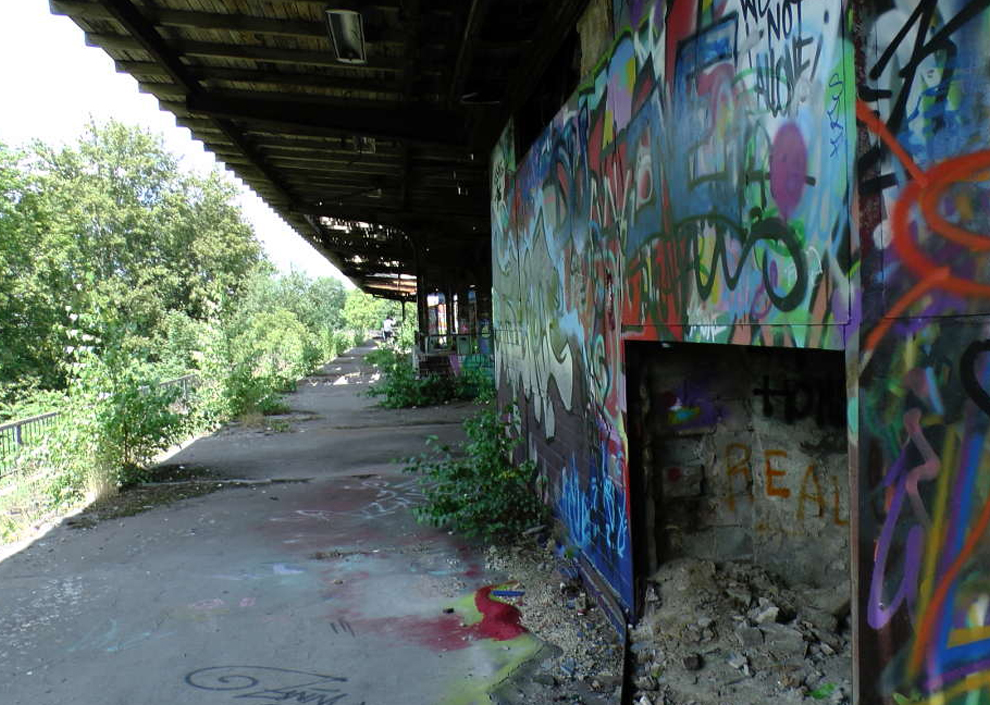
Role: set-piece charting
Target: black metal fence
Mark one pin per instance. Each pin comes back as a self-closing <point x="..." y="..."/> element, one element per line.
<point x="16" y="435"/>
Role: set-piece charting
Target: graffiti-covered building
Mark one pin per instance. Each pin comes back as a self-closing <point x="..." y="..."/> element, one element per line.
<point x="740" y="299"/>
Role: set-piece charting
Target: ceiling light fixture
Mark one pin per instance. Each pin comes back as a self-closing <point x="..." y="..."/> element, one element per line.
<point x="346" y="30"/>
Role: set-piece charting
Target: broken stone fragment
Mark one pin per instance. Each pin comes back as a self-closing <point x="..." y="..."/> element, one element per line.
<point x="832" y="600"/>
<point x="749" y="637"/>
<point x="820" y="619"/>
<point x="737" y="661"/>
<point x="740" y="594"/>
<point x="765" y="612"/>
<point x="646" y="683"/>
<point x="693" y="662"/>
<point x="783" y="640"/>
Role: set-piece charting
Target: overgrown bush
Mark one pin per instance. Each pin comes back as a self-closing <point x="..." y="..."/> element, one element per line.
<point x="334" y="343"/>
<point x="477" y="490"/>
<point x="181" y="343"/>
<point x="400" y="387"/>
<point x="279" y="346"/>
<point x="115" y="419"/>
<point x="127" y="415"/>
<point x="30" y="401"/>
<point x="230" y="384"/>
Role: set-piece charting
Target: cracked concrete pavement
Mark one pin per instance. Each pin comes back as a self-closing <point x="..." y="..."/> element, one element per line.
<point x="322" y="591"/>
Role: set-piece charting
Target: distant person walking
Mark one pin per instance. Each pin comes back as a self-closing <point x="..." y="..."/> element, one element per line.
<point x="387" y="328"/>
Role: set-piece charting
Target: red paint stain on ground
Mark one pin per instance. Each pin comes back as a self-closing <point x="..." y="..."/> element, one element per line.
<point x="500" y="621"/>
<point x="443" y="633"/>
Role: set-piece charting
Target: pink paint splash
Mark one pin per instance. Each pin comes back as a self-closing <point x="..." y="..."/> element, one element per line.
<point x="499" y="622"/>
<point x="788" y="168"/>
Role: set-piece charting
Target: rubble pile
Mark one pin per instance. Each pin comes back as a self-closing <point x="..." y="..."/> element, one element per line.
<point x="732" y="633"/>
<point x="583" y="660"/>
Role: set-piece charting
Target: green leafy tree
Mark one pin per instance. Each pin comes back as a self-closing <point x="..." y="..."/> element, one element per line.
<point x="363" y="312"/>
<point x="110" y="223"/>
<point x="33" y="283"/>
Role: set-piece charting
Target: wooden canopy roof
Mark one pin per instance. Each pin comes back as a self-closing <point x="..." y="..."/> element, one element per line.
<point x="374" y="164"/>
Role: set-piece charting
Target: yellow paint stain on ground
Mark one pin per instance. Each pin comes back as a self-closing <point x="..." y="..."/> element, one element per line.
<point x="504" y="656"/>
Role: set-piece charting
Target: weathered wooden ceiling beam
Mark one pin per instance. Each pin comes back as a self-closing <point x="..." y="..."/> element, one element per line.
<point x="120" y="42"/>
<point x="339" y="144"/>
<point x="152" y="43"/>
<point x="150" y="69"/>
<point x="330" y="158"/>
<point x="375" y="32"/>
<point x="343" y="212"/>
<point x="416" y="124"/>
<point x="465" y="54"/>
<point x="172" y="92"/>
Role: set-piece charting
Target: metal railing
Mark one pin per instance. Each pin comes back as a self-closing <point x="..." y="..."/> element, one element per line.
<point x="15" y="435"/>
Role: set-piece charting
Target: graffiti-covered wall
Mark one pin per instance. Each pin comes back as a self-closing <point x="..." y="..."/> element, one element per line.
<point x="694" y="188"/>
<point x="807" y="174"/>
<point x="924" y="469"/>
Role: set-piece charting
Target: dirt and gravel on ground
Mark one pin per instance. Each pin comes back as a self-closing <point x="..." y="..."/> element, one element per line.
<point x="164" y="484"/>
<point x="712" y="634"/>
<point x="583" y="660"/>
<point x="734" y="633"/>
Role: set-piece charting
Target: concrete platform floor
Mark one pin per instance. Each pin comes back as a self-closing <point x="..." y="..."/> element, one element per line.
<point x="324" y="591"/>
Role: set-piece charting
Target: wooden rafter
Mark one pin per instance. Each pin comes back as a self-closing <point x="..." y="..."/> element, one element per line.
<point x="258" y="82"/>
<point x="422" y="125"/>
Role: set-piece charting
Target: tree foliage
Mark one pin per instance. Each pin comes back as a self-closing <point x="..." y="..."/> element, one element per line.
<point x="363" y="312"/>
<point x="109" y="225"/>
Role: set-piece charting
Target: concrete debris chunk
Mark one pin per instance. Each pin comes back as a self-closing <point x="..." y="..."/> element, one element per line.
<point x="784" y="640"/>
<point x="740" y="594"/>
<point x="834" y="601"/>
<point x="749" y="637"/>
<point x="646" y="683"/>
<point x="737" y="635"/>
<point x="737" y="661"/>
<point x="820" y="619"/>
<point x="693" y="662"/>
<point x="765" y="612"/>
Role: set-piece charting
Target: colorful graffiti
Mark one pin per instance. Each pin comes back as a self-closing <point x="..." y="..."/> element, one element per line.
<point x="698" y="187"/>
<point x="694" y="188"/>
<point x="923" y="417"/>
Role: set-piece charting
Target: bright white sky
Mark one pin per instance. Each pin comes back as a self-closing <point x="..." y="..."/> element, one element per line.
<point x="51" y="84"/>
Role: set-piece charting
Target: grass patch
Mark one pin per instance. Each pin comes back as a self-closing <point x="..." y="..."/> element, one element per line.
<point x="26" y="503"/>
